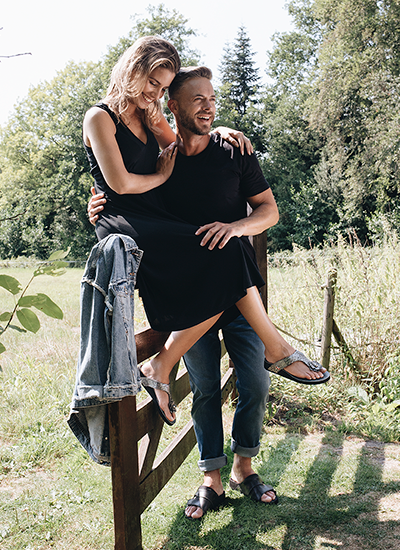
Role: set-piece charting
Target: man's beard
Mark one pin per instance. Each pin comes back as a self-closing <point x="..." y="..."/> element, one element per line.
<point x="188" y="123"/>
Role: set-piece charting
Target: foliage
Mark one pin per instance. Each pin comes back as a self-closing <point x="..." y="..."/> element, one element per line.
<point x="24" y="302"/>
<point x="169" y="24"/>
<point x="355" y="104"/>
<point x="44" y="173"/>
<point x="325" y="128"/>
<point x="293" y="148"/>
<point x="332" y="119"/>
<point x="44" y="181"/>
<point x="240" y="91"/>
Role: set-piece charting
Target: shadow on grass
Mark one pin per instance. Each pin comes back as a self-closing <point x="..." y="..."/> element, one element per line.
<point x="315" y="515"/>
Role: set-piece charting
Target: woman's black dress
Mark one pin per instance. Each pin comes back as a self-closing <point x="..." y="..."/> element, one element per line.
<point x="181" y="283"/>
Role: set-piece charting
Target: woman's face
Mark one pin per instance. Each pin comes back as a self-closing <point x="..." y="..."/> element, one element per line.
<point x="155" y="87"/>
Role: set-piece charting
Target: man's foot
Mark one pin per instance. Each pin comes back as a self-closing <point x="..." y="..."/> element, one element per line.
<point x="205" y="499"/>
<point x="242" y="471"/>
<point x="157" y="386"/>
<point x="212" y="480"/>
<point x="252" y="486"/>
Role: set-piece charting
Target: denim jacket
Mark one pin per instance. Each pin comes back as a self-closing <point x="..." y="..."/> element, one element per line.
<point x="107" y="366"/>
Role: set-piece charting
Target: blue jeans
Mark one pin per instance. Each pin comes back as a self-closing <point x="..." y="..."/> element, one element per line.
<point x="203" y="364"/>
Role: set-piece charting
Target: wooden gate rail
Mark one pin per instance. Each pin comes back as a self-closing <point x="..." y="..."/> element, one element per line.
<point x="137" y="476"/>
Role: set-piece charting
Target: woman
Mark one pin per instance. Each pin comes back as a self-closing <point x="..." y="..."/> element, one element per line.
<point x="121" y="137"/>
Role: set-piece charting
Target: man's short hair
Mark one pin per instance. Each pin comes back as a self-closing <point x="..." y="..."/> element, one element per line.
<point x="187" y="73"/>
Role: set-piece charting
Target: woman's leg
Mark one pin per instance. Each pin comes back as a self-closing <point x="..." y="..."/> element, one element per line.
<point x="177" y="344"/>
<point x="276" y="347"/>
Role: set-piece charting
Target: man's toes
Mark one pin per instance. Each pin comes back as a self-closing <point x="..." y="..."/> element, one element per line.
<point x="268" y="496"/>
<point x="193" y="512"/>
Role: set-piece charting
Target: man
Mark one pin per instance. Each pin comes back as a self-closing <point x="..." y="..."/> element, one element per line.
<point x="212" y="181"/>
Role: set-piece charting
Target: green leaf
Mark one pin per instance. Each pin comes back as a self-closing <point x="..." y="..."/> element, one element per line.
<point x="17" y="328"/>
<point x="59" y="254"/>
<point x="54" y="269"/>
<point x="10" y="284"/>
<point x="45" y="304"/>
<point x="6" y="316"/>
<point x="28" y="320"/>
<point x="375" y="408"/>
<point x="2" y="348"/>
<point x="29" y="301"/>
<point x="360" y="393"/>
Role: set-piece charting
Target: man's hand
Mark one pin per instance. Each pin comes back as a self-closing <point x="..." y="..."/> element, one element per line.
<point x="218" y="233"/>
<point x="95" y="205"/>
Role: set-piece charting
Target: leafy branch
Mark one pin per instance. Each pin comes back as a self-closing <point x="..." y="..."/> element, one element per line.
<point x="29" y="321"/>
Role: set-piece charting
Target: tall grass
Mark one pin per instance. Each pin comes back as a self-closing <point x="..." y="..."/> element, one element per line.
<point x="367" y="299"/>
<point x="59" y="498"/>
<point x="367" y="302"/>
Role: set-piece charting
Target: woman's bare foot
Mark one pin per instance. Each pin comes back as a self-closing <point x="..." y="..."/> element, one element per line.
<point x="152" y="370"/>
<point x="301" y="370"/>
<point x="298" y="368"/>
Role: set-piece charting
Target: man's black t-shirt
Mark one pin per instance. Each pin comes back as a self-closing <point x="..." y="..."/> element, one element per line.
<point x="213" y="185"/>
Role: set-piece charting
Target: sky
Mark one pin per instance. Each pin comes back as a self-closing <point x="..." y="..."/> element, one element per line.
<point x="55" y="32"/>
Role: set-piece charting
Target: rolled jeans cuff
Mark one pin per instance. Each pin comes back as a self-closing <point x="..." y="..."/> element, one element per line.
<point x="210" y="464"/>
<point x="244" y="451"/>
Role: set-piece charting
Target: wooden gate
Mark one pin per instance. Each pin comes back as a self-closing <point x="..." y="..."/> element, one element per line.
<point x="137" y="477"/>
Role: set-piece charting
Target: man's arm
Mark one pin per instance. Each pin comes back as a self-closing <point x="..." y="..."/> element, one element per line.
<point x="95" y="206"/>
<point x="265" y="214"/>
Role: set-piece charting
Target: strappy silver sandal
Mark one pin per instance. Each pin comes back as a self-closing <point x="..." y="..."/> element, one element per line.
<point x="150" y="385"/>
<point x="279" y="366"/>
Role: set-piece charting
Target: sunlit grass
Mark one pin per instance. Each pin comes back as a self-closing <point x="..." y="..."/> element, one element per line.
<point x="53" y="496"/>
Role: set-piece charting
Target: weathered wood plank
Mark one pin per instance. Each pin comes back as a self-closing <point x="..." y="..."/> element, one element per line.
<point x="260" y="246"/>
<point x="125" y="474"/>
<point x="166" y="465"/>
<point x="174" y="455"/>
<point x="329" y="305"/>
<point x="148" y="343"/>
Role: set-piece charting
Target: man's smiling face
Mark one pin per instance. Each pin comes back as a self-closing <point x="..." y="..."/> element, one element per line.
<point x="196" y="106"/>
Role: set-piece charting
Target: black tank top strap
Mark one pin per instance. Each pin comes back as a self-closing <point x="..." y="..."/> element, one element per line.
<point x="109" y="111"/>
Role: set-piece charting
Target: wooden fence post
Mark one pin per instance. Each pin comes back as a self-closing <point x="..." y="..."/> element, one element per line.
<point x="260" y="246"/>
<point x="327" y="326"/>
<point x="125" y="474"/>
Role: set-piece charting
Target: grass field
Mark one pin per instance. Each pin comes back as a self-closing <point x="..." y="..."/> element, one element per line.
<point x="331" y="452"/>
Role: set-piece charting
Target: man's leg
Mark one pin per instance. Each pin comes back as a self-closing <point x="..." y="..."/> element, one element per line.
<point x="247" y="353"/>
<point x="203" y="364"/>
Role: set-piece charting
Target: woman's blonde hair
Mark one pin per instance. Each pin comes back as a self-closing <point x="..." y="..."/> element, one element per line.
<point x="130" y="74"/>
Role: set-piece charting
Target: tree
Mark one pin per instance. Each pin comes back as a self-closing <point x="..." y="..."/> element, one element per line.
<point x="169" y="24"/>
<point x="331" y="119"/>
<point x="44" y="173"/>
<point x="239" y="93"/>
<point x="356" y="104"/>
<point x="293" y="149"/>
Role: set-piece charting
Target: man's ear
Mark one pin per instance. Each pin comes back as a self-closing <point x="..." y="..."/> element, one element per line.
<point x="172" y="106"/>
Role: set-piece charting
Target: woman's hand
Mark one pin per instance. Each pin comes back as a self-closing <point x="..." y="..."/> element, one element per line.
<point x="95" y="205"/>
<point x="235" y="138"/>
<point x="166" y="160"/>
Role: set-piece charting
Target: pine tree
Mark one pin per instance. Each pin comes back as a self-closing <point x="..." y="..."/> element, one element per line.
<point x="239" y="93"/>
